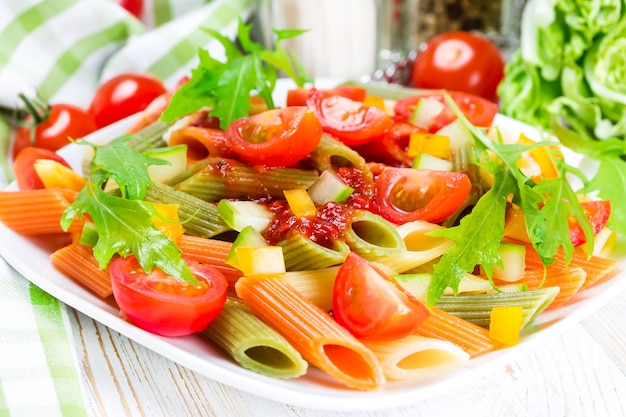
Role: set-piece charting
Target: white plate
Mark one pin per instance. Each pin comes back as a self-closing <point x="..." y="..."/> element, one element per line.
<point x="315" y="389"/>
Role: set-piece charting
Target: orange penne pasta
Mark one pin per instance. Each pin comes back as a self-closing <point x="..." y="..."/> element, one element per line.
<point x="36" y="212"/>
<point x="77" y="262"/>
<point x="471" y="338"/>
<point x="569" y="280"/>
<point x="211" y="252"/>
<point x="312" y="331"/>
<point x="596" y="267"/>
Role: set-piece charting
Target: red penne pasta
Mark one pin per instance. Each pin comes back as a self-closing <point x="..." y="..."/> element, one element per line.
<point x="312" y="331"/>
<point x="211" y="252"/>
<point x="37" y="212"/>
<point x="77" y="262"/>
<point x="473" y="339"/>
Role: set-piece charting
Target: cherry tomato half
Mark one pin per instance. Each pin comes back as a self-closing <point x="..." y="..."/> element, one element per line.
<point x="63" y="121"/>
<point x="597" y="212"/>
<point x="124" y="95"/>
<point x="479" y="112"/>
<point x="278" y="137"/>
<point x="299" y="96"/>
<point x="350" y="121"/>
<point x="24" y="166"/>
<point x="371" y="305"/>
<point x="462" y="61"/>
<point x="407" y="194"/>
<point x="391" y="147"/>
<point x="164" y="305"/>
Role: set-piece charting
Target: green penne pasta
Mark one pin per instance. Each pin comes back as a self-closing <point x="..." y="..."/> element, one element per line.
<point x="373" y="237"/>
<point x="198" y="217"/>
<point x="253" y="344"/>
<point x="223" y="178"/>
<point x="300" y="253"/>
<point x="186" y="173"/>
<point x="332" y="154"/>
<point x="417" y="284"/>
<point x="476" y="308"/>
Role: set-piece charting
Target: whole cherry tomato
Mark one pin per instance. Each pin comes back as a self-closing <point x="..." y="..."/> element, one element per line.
<point x="124" y="95"/>
<point x="134" y="7"/>
<point x="461" y="61"/>
<point x="371" y="305"/>
<point x="56" y="125"/>
<point x="165" y="305"/>
<point x="279" y="137"/>
<point x="24" y="166"/>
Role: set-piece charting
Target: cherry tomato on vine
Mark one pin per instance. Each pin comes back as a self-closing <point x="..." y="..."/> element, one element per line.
<point x="165" y="305"/>
<point x="597" y="212"/>
<point x="371" y="305"/>
<point x="278" y="137"/>
<point x="124" y="95"/>
<point x="479" y="112"/>
<point x="58" y="123"/>
<point x="24" y="166"/>
<point x="134" y="7"/>
<point x="352" y="122"/>
<point x="407" y="194"/>
<point x="461" y="61"/>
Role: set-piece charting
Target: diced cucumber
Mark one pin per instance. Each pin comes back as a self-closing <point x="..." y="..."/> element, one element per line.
<point x="248" y="237"/>
<point x="239" y="214"/>
<point x="459" y="135"/>
<point x="329" y="187"/>
<point x="425" y="112"/>
<point x="175" y="155"/>
<point x="89" y="235"/>
<point x="513" y="260"/>
<point x="416" y="284"/>
<point x="425" y="160"/>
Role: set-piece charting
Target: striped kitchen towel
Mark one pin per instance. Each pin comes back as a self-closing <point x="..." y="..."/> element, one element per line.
<point x="63" y="49"/>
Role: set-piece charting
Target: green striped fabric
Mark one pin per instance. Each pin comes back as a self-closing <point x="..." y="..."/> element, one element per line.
<point x="64" y="49"/>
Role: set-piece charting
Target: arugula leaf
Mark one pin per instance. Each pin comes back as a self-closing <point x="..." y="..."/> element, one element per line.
<point x="477" y="238"/>
<point x="125" y="225"/>
<point x="225" y="87"/>
<point x="547" y="207"/>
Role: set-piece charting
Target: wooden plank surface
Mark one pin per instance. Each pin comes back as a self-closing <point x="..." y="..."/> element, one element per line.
<point x="579" y="373"/>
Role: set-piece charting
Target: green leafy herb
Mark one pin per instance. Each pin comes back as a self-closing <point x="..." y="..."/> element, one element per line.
<point x="225" y="87"/>
<point x="547" y="207"/>
<point x="125" y="225"/>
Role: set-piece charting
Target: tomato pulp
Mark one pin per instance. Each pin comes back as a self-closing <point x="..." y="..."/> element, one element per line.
<point x="164" y="305"/>
<point x="371" y="305"/>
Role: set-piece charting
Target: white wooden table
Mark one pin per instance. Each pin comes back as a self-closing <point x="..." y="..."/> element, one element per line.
<point x="581" y="372"/>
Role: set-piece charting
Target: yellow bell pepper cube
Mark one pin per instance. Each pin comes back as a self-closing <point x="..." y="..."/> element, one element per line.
<point x="300" y="202"/>
<point x="430" y="143"/>
<point x="260" y="260"/>
<point x="53" y="174"/>
<point x="375" y="101"/>
<point x="505" y="324"/>
<point x="167" y="220"/>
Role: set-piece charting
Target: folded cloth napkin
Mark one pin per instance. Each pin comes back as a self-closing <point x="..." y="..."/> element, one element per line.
<point x="63" y="49"/>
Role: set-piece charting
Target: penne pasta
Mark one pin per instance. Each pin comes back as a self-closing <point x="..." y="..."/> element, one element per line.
<point x="315" y="285"/>
<point x="77" y="262"/>
<point x="201" y="142"/>
<point x="211" y="252"/>
<point x="37" y="212"/>
<point x="301" y="253"/>
<point x="471" y="338"/>
<point x="373" y="237"/>
<point x="318" y="338"/>
<point x="415" y="357"/>
<point x="254" y="344"/>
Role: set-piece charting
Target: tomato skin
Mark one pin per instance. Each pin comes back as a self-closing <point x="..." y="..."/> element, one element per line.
<point x="24" y="166"/>
<point x="124" y="95"/>
<point x="598" y="213"/>
<point x="350" y="121"/>
<point x="371" y="305"/>
<point x="436" y="194"/>
<point x="164" y="305"/>
<point x="391" y="147"/>
<point x="479" y="111"/>
<point x="134" y="7"/>
<point x="64" y="121"/>
<point x="462" y="61"/>
<point x="278" y="137"/>
<point x="299" y="96"/>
